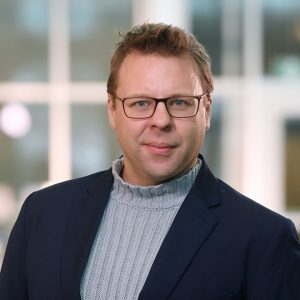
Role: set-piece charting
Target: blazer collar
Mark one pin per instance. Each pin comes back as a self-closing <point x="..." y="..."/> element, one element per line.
<point x="192" y="225"/>
<point x="84" y="220"/>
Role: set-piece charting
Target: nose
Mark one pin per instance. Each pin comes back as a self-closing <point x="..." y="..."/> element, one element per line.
<point x="161" y="118"/>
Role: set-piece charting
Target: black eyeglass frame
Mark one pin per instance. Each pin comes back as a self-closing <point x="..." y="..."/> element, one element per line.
<point x="164" y="100"/>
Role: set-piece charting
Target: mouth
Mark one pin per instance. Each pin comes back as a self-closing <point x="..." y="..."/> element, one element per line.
<point x="159" y="148"/>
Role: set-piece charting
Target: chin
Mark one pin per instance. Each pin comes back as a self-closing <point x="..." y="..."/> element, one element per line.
<point x="164" y="176"/>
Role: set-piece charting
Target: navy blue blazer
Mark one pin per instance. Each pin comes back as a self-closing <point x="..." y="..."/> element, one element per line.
<point x="220" y="246"/>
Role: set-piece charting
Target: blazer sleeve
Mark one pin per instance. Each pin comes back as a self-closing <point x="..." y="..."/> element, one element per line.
<point x="277" y="274"/>
<point x="13" y="272"/>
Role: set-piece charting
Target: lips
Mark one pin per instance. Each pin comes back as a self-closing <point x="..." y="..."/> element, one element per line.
<point x="160" y="148"/>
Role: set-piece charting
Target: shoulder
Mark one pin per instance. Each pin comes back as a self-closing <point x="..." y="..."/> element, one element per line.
<point x="62" y="195"/>
<point x="229" y="204"/>
<point x="235" y="201"/>
<point x="249" y="216"/>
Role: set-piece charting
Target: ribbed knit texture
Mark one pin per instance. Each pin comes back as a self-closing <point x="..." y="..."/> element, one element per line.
<point x="134" y="224"/>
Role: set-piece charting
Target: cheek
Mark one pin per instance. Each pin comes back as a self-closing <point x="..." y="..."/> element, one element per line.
<point x="128" y="130"/>
<point x="196" y="135"/>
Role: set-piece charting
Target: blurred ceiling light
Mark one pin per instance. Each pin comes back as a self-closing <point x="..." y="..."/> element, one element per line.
<point x="15" y="120"/>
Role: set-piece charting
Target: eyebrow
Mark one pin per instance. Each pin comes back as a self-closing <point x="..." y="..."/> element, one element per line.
<point x="170" y="96"/>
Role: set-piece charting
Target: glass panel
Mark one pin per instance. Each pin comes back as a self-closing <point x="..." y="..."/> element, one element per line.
<point x="206" y="26"/>
<point x="292" y="161"/>
<point x="23" y="159"/>
<point x="23" y="36"/>
<point x="94" y="30"/>
<point x="218" y="26"/>
<point x="94" y="145"/>
<point x="282" y="37"/>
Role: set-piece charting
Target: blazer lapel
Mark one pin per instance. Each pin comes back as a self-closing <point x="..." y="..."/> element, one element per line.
<point x="84" y="221"/>
<point x="189" y="231"/>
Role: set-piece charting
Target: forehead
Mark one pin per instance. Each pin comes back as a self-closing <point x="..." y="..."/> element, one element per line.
<point x="159" y="74"/>
<point x="139" y="59"/>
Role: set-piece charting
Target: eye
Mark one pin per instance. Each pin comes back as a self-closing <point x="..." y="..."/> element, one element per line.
<point x="178" y="102"/>
<point x="139" y="103"/>
<point x="142" y="103"/>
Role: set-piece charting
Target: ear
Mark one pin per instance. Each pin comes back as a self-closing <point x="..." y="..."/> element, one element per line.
<point x="208" y="105"/>
<point x="111" y="110"/>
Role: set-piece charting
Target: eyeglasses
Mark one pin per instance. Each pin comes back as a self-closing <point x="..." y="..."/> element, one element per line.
<point x="177" y="107"/>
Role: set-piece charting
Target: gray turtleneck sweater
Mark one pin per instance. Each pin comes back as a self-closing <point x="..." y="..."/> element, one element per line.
<point x="134" y="225"/>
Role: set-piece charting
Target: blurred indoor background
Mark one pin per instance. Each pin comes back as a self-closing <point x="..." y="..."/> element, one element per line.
<point x="54" y="60"/>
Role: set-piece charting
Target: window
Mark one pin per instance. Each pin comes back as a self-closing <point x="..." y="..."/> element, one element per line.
<point x="94" y="28"/>
<point x="24" y="40"/>
<point x="292" y="164"/>
<point x="94" y="146"/>
<point x="282" y="37"/>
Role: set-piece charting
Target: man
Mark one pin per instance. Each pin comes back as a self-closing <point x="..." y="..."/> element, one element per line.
<point x="158" y="225"/>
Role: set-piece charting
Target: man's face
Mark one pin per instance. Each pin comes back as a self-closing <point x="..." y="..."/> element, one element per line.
<point x="161" y="147"/>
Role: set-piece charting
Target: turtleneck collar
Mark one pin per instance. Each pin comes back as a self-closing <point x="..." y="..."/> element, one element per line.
<point x="164" y="195"/>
